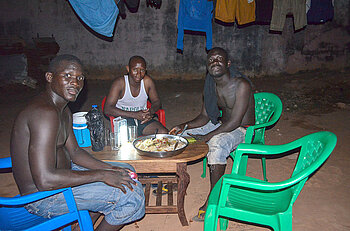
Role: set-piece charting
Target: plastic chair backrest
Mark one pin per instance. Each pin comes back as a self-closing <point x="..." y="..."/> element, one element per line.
<point x="252" y="200"/>
<point x="313" y="153"/>
<point x="13" y="215"/>
<point x="160" y="113"/>
<point x="268" y="110"/>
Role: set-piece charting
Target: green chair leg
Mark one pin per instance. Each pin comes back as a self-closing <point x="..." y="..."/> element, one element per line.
<point x="223" y="223"/>
<point x="263" y="162"/>
<point x="204" y="174"/>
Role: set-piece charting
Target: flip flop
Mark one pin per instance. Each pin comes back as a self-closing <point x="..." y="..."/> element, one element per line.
<point x="164" y="190"/>
<point x="198" y="217"/>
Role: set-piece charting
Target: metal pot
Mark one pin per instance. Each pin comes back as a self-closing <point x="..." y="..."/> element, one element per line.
<point x="163" y="153"/>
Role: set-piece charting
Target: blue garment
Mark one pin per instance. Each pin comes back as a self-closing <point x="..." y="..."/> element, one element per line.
<point x="320" y="11"/>
<point x="99" y="15"/>
<point x="195" y="15"/>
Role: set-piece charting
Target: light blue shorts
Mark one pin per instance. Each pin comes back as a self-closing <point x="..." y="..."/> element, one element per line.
<point x="220" y="145"/>
<point x="118" y="208"/>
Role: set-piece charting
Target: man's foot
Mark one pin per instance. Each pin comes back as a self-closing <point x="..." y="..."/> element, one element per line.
<point x="200" y="215"/>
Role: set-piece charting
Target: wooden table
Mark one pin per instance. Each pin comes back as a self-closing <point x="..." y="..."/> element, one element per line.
<point x="176" y="166"/>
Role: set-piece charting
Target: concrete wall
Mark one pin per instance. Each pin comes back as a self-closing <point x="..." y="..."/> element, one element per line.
<point x="152" y="33"/>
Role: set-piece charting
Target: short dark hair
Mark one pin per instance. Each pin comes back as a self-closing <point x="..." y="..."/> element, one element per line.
<point x="137" y="57"/>
<point x="55" y="62"/>
<point x="219" y="49"/>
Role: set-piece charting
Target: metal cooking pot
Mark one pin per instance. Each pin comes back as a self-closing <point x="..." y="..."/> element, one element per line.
<point x="164" y="153"/>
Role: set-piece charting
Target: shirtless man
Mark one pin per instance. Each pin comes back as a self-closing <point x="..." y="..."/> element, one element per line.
<point x="46" y="156"/>
<point x="128" y="98"/>
<point x="227" y="90"/>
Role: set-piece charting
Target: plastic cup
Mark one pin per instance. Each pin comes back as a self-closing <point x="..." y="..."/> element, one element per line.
<point x="132" y="133"/>
<point x="113" y="139"/>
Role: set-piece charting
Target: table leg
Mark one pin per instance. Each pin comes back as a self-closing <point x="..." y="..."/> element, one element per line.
<point x="184" y="180"/>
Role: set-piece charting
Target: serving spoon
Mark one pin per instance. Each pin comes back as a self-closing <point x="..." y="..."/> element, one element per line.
<point x="155" y="134"/>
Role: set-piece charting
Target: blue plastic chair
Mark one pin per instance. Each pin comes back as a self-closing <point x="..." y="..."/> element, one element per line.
<point x="13" y="215"/>
<point x="195" y="15"/>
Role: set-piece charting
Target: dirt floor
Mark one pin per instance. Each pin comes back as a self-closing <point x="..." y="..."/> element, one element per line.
<point x="312" y="101"/>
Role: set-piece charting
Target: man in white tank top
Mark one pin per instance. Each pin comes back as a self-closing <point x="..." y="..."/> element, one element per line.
<point x="128" y="98"/>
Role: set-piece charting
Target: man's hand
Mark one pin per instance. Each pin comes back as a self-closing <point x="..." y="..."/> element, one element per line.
<point x="118" y="177"/>
<point x="177" y="129"/>
<point x="154" y="3"/>
<point x="146" y="116"/>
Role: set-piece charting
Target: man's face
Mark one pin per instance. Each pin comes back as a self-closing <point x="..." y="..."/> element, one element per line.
<point x="217" y="63"/>
<point x="137" y="70"/>
<point x="67" y="81"/>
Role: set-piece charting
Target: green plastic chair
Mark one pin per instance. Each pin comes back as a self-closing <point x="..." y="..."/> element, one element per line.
<point x="252" y="200"/>
<point x="268" y="109"/>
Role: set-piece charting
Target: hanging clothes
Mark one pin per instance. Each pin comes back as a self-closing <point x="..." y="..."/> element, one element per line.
<point x="263" y="11"/>
<point x="99" y="15"/>
<point x="229" y="10"/>
<point x="195" y="15"/>
<point x="320" y="11"/>
<point x="283" y="7"/>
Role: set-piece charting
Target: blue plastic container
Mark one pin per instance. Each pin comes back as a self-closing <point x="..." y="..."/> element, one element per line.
<point x="81" y="132"/>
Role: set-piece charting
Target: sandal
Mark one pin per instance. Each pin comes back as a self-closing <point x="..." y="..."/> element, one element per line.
<point x="164" y="189"/>
<point x="200" y="216"/>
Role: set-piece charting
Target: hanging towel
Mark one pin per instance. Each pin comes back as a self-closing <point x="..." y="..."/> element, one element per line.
<point x="320" y="11"/>
<point x="195" y="15"/>
<point x="263" y="11"/>
<point x="283" y="7"/>
<point x="99" y="15"/>
<point x="229" y="10"/>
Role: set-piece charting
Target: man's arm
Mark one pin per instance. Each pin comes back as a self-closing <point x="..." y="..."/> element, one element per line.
<point x="117" y="91"/>
<point x="201" y="120"/>
<point x="152" y="95"/>
<point x="44" y="147"/>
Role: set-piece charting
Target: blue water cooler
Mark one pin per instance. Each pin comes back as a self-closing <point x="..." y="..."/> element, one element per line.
<point x="81" y="132"/>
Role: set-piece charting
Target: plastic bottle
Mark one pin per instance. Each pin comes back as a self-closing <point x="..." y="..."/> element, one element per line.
<point x="94" y="121"/>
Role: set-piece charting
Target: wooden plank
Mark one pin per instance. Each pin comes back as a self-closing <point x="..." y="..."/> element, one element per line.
<point x="161" y="210"/>
<point x="159" y="193"/>
<point x="153" y="180"/>
<point x="170" y="193"/>
<point x="147" y="193"/>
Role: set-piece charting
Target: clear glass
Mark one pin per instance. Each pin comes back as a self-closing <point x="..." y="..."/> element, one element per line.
<point x="132" y="133"/>
<point x="120" y="126"/>
<point x="107" y="137"/>
<point x="113" y="138"/>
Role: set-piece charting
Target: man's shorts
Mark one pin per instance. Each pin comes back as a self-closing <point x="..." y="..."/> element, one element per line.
<point x="118" y="208"/>
<point x="220" y="145"/>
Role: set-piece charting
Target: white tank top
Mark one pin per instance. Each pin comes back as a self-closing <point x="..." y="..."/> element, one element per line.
<point x="131" y="103"/>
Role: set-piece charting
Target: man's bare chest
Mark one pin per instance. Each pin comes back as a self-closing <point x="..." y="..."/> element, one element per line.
<point x="63" y="131"/>
<point x="226" y="98"/>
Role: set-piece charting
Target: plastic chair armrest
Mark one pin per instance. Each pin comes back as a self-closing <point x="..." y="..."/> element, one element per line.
<point x="260" y="149"/>
<point x="5" y="162"/>
<point x="255" y="184"/>
<point x="23" y="200"/>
